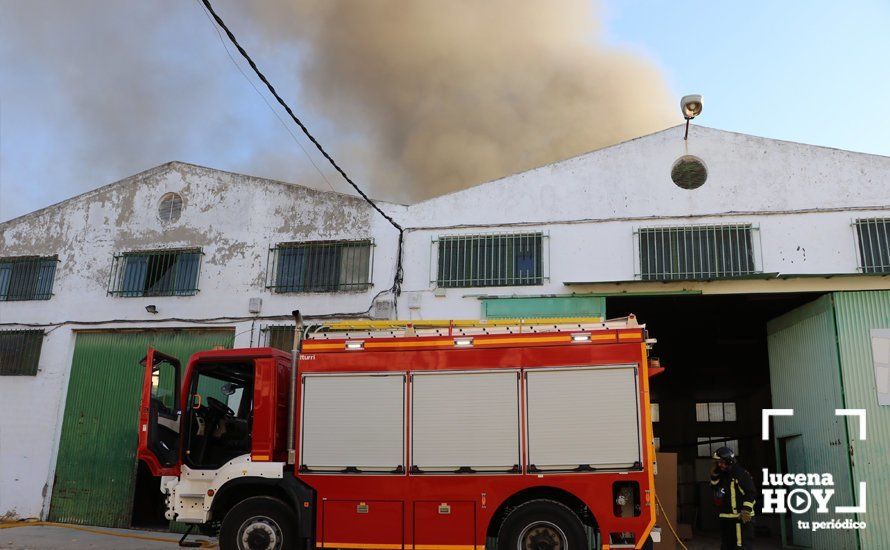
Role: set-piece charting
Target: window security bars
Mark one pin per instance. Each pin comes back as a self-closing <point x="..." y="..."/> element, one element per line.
<point x="27" y="278"/>
<point x="278" y="337"/>
<point x="155" y="273"/>
<point x="321" y="266"/>
<point x="490" y="260"/>
<point x="20" y="352"/>
<point x="873" y="236"/>
<point x="696" y="252"/>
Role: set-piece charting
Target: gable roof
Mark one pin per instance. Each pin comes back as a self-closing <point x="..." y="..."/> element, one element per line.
<point x="632" y="181"/>
<point x="159" y="170"/>
<point x="672" y="130"/>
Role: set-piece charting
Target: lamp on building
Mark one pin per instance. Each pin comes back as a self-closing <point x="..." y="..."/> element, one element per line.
<point x="151" y="308"/>
<point x="690" y="106"/>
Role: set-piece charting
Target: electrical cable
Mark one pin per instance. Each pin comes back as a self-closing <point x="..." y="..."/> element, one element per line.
<point x="204" y="321"/>
<point x="399" y="273"/>
<point x="666" y="520"/>
<point x="260" y="94"/>
<point x="290" y="112"/>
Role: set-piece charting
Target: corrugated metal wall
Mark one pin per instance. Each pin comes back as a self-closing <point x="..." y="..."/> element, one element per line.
<point x="96" y="466"/>
<point x="857" y="313"/>
<point x="805" y="376"/>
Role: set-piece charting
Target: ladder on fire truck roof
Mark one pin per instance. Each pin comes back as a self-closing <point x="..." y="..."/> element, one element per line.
<point x="422" y="327"/>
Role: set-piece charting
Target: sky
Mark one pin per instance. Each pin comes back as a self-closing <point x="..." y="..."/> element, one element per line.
<point x="810" y="71"/>
<point x="96" y="90"/>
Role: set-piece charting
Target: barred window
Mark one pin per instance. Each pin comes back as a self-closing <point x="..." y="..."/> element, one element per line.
<point x="490" y="260"/>
<point x="278" y="337"/>
<point x="873" y="235"/>
<point x="27" y="278"/>
<point x="320" y="266"/>
<point x="20" y="352"/>
<point x="170" y="207"/>
<point x="156" y="273"/>
<point x="696" y="252"/>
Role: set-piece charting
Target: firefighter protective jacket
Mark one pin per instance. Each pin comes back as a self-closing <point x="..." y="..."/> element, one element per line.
<point x="737" y="491"/>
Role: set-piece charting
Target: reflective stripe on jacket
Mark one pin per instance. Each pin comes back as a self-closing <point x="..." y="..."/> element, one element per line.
<point x="738" y="484"/>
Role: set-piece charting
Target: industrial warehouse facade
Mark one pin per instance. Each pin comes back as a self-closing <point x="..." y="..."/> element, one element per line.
<point x="762" y="267"/>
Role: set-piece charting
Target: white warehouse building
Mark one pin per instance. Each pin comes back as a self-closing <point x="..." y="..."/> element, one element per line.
<point x="739" y="253"/>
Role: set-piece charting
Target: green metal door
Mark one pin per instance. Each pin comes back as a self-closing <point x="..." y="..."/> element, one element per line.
<point x="796" y="459"/>
<point x="96" y="466"/>
<point x="860" y="315"/>
<point x="805" y="375"/>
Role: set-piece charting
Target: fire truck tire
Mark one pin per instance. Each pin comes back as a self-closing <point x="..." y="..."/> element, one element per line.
<point x="259" y="523"/>
<point x="544" y="524"/>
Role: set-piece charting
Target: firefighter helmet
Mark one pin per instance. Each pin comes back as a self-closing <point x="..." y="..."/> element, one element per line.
<point x="725" y="454"/>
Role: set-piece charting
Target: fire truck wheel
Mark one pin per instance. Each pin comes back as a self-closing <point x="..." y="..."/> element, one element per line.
<point x="542" y="525"/>
<point x="259" y="523"/>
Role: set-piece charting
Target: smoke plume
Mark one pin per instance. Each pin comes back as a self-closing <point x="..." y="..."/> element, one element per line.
<point x="415" y="97"/>
<point x="451" y="94"/>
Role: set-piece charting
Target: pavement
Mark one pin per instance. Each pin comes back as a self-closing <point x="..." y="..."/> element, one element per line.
<point x="709" y="541"/>
<point x="52" y="536"/>
<point x="25" y="535"/>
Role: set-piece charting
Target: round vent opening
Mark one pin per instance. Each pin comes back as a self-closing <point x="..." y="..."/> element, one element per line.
<point x="170" y="207"/>
<point x="689" y="172"/>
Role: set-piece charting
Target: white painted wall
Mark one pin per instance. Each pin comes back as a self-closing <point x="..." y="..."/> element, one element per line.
<point x="802" y="198"/>
<point x="234" y="219"/>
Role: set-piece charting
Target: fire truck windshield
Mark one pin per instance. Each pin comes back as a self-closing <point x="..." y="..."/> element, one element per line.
<point x="220" y="414"/>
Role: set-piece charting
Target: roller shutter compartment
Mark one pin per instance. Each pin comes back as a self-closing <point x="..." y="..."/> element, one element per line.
<point x="465" y="421"/>
<point x="583" y="417"/>
<point x="353" y="422"/>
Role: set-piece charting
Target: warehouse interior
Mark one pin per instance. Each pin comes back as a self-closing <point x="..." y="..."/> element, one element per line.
<point x="716" y="382"/>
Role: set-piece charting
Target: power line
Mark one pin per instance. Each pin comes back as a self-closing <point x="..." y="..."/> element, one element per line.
<point x="294" y="117"/>
<point x="252" y="85"/>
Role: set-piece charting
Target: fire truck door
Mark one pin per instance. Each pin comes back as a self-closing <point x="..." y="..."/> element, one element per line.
<point x="363" y="524"/>
<point x="159" y="415"/>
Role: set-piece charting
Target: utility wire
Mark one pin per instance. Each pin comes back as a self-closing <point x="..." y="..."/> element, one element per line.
<point x="399" y="272"/>
<point x="257" y="90"/>
<point x="226" y="320"/>
<point x="294" y="117"/>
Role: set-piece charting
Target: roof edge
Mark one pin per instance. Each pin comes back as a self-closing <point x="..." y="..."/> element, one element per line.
<point x="644" y="136"/>
<point x="170" y="165"/>
<point x="127" y="180"/>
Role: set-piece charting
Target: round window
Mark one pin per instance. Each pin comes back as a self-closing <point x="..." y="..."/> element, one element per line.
<point x="170" y="207"/>
<point x="689" y="172"/>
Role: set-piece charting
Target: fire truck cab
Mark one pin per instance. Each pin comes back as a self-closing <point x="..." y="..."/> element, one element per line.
<point x="428" y="435"/>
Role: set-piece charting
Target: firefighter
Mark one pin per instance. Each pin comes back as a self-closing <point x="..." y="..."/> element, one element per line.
<point x="735" y="497"/>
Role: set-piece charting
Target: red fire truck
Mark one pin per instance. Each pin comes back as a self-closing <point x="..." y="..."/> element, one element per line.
<point x="411" y="435"/>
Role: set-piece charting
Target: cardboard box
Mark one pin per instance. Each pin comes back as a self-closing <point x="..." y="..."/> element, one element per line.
<point x="666" y="489"/>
